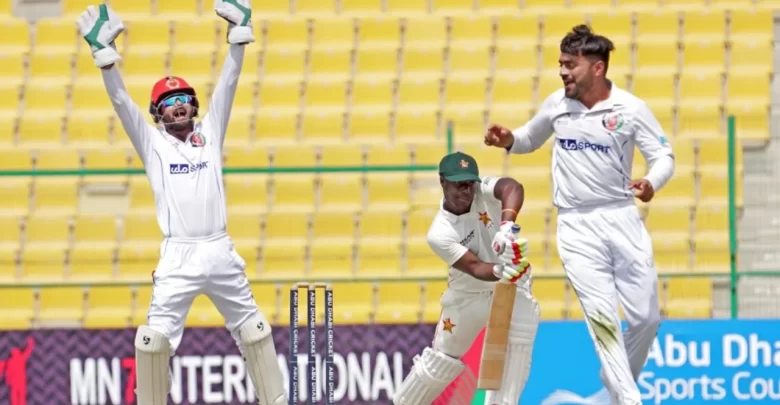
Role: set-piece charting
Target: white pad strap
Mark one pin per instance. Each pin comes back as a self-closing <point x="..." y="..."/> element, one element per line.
<point x="431" y="374"/>
<point x="152" y="353"/>
<point x="261" y="362"/>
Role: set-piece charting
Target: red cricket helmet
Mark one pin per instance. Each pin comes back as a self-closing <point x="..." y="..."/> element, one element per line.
<point x="167" y="86"/>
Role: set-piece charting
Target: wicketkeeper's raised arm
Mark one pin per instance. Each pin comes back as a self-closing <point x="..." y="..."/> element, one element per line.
<point x="654" y="146"/>
<point x="100" y="26"/>
<point x="238" y="14"/>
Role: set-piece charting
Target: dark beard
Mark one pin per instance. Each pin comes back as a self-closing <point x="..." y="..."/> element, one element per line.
<point x="172" y="125"/>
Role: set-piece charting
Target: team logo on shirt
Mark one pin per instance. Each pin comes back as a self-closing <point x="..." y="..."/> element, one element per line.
<point x="447" y="325"/>
<point x="484" y="218"/>
<point x="183" y="168"/>
<point x="612" y="122"/>
<point x="198" y="140"/>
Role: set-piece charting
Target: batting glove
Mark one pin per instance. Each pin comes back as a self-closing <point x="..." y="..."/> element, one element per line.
<point x="100" y="26"/>
<point x="503" y="237"/>
<point x="238" y="14"/>
<point x="513" y="262"/>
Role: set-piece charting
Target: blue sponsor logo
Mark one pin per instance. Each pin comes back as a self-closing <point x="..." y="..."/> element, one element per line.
<point x="573" y="144"/>
<point x="182" y="168"/>
<point x="690" y="362"/>
<point x="663" y="140"/>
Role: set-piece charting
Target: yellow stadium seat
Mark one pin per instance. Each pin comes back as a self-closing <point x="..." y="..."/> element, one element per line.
<point x="280" y="261"/>
<point x="379" y="259"/>
<point x="195" y="64"/>
<point x="551" y="54"/>
<point x="293" y="193"/>
<point x="108" y="307"/>
<point x="469" y="61"/>
<point x="518" y="30"/>
<point x="751" y="24"/>
<point x="15" y="160"/>
<point x="332" y="33"/>
<point x="45" y="104"/>
<point x="592" y="4"/>
<point x="288" y="33"/>
<point x="203" y="313"/>
<point x="354" y="303"/>
<point x="379" y="32"/>
<point x="144" y="62"/>
<point x="273" y="7"/>
<point x="407" y="6"/>
<point x="11" y="235"/>
<point x="750" y="57"/>
<point x="341" y="155"/>
<point x="664" y="113"/>
<point x="432" y="293"/>
<point x="56" y="195"/>
<point x="655" y="90"/>
<point x="452" y="6"/>
<point x="416" y="126"/>
<point x="334" y="227"/>
<point x="329" y="63"/>
<point x="422" y="261"/>
<point x="418" y="93"/>
<point x="491" y="160"/>
<point x="43" y="262"/>
<point x="360" y="7"/>
<point x="704" y="56"/>
<point x="672" y="251"/>
<point x="294" y="156"/>
<point x="372" y="95"/>
<point x="556" y="26"/>
<point x="428" y="154"/>
<point x="551" y="295"/>
<point x="92" y="262"/>
<point x="95" y="229"/>
<point x="141" y="229"/>
<point x="87" y="73"/>
<point x="266" y="296"/>
<point x="315" y="7"/>
<point x="700" y="121"/>
<point x="148" y="34"/>
<point x="278" y="97"/>
<point x="512" y="61"/>
<point x="547" y="85"/>
<point x="472" y="31"/>
<point x="466" y="121"/>
<point x="711" y="252"/>
<point x="9" y="107"/>
<point x="380" y="226"/>
<point x="137" y="262"/>
<point x="713" y="155"/>
<point x="689" y="298"/>
<point x="17" y="308"/>
<point x="495" y="6"/>
<point x="746" y="89"/>
<point x="618" y="26"/>
<point x="342" y="192"/>
<point x="9" y="254"/>
<point x="428" y="197"/>
<point x="243" y="157"/>
<point x="706" y="24"/>
<point x="680" y="190"/>
<point x="398" y="302"/>
<point x="176" y="7"/>
<point x="752" y="122"/>
<point x="249" y="69"/>
<point x="464" y="93"/>
<point x="658" y="25"/>
<point x="58" y="159"/>
<point x="141" y="196"/>
<point x="16" y="35"/>
<point x="244" y="228"/>
<point x="331" y="259"/>
<point x="55" y="35"/>
<point x="425" y="32"/>
<point x="376" y="63"/>
<point x="668" y="219"/>
<point x="90" y="99"/>
<point x="325" y="95"/>
<point x="16" y="199"/>
<point x="76" y="7"/>
<point x="323" y="127"/>
<point x="511" y="92"/>
<point x="12" y="68"/>
<point x="241" y="128"/>
<point x="684" y="154"/>
<point x="713" y="187"/>
<point x="143" y="299"/>
<point x="132" y="7"/>
<point x="388" y="154"/>
<point x="659" y="59"/>
<point x="423" y="62"/>
<point x="417" y="224"/>
<point x="61" y="304"/>
<point x="533" y="164"/>
<point x="712" y="218"/>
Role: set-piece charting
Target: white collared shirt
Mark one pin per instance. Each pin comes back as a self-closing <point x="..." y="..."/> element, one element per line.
<point x="186" y="177"/>
<point x="594" y="149"/>
<point x="451" y="236"/>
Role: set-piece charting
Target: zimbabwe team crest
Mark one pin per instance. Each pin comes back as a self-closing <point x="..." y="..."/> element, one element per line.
<point x="612" y="122"/>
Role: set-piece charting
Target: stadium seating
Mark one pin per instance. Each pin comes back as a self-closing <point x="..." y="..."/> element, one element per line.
<point x="374" y="84"/>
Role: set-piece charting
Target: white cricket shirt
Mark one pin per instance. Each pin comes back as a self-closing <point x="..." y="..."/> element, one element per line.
<point x="186" y="177"/>
<point x="593" y="152"/>
<point x="450" y="235"/>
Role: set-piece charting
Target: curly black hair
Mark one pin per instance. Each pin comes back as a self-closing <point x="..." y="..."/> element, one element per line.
<point x="583" y="41"/>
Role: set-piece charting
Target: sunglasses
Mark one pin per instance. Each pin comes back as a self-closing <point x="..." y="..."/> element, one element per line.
<point x="179" y="98"/>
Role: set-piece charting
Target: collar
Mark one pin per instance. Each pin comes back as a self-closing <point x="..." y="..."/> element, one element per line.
<point x="455" y="218"/>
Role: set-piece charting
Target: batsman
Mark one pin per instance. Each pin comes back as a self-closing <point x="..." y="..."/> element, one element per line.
<point x="473" y="233"/>
<point x="183" y="162"/>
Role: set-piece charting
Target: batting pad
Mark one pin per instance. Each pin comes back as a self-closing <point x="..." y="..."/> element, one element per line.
<point x="431" y="374"/>
<point x="152" y="352"/>
<point x="260" y="356"/>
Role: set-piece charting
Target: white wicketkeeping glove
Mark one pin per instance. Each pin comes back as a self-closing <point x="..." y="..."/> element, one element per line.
<point x="504" y="236"/>
<point x="513" y="262"/>
<point x="238" y="14"/>
<point x="100" y="26"/>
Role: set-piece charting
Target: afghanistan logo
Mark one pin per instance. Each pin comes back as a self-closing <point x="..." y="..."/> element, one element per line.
<point x="198" y="140"/>
<point x="172" y="83"/>
<point x="612" y="122"/>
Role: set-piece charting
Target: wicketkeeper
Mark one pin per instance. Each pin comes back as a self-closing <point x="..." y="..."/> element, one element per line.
<point x="472" y="233"/>
<point x="183" y="161"/>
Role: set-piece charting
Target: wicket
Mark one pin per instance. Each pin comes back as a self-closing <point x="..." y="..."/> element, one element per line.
<point x="311" y="327"/>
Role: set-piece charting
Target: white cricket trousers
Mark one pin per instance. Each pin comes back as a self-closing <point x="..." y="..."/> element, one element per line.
<point x="608" y="257"/>
<point x="190" y="267"/>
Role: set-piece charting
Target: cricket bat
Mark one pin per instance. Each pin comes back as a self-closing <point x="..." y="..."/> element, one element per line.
<point x="491" y="364"/>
